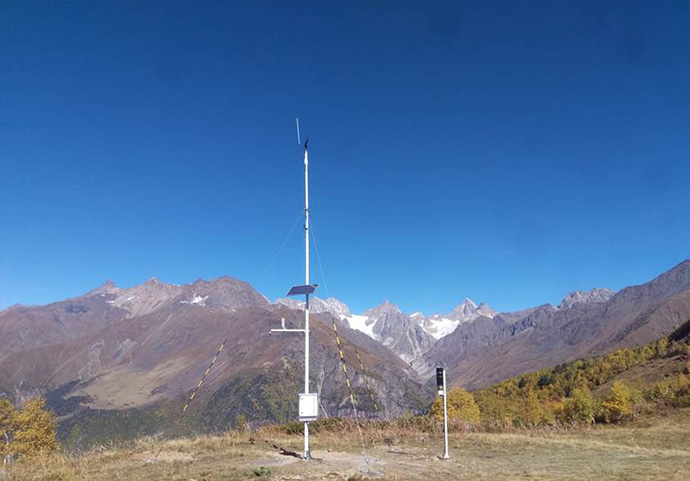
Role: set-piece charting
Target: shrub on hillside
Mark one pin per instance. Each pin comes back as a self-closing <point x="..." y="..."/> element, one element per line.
<point x="674" y="391"/>
<point x="580" y="408"/>
<point x="241" y="423"/>
<point x="532" y="413"/>
<point x="618" y="404"/>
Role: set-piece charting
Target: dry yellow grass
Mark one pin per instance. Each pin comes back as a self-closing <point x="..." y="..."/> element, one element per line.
<point x="654" y="450"/>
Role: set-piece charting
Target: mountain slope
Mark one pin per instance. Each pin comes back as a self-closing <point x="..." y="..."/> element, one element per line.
<point x="548" y="336"/>
<point x="411" y="336"/>
<point x="397" y="331"/>
<point x="592" y="296"/>
<point x="657" y="372"/>
<point x="26" y="327"/>
<point x="156" y="358"/>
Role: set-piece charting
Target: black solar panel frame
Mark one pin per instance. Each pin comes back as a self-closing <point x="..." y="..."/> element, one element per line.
<point x="302" y="290"/>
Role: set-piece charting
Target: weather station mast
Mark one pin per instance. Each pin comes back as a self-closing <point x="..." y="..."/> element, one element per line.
<point x="308" y="402"/>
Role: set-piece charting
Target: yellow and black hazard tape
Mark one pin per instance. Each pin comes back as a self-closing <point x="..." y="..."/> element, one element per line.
<point x="344" y="364"/>
<point x="361" y="367"/>
<point x="352" y="396"/>
<point x="366" y="380"/>
<point x="208" y="369"/>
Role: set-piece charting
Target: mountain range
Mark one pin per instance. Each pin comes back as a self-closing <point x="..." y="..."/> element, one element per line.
<point x="131" y="350"/>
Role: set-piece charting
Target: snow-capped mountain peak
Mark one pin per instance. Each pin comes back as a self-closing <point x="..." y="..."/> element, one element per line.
<point x="440" y="325"/>
<point x="407" y="335"/>
<point x="466" y="308"/>
<point x="384" y="308"/>
<point x="337" y="308"/>
<point x="485" y="310"/>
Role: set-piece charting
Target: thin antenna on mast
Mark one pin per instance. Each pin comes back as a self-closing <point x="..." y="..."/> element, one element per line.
<point x="299" y="140"/>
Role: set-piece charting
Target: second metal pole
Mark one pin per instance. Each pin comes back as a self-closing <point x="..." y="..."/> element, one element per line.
<point x="445" y="417"/>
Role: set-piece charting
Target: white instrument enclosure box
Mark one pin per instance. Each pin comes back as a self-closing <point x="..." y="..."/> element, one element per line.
<point x="308" y="406"/>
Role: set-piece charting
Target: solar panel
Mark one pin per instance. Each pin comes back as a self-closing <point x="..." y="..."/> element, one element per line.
<point x="302" y="290"/>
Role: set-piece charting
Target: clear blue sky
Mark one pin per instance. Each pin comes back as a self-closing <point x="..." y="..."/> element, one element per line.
<point x="505" y="151"/>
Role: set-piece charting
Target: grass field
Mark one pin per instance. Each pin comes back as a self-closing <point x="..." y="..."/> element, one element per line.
<point x="651" y="449"/>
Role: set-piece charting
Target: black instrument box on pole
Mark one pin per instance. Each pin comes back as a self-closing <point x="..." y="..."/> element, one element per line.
<point x="439" y="379"/>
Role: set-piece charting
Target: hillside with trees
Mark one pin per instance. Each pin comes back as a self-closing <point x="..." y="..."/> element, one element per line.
<point x="604" y="389"/>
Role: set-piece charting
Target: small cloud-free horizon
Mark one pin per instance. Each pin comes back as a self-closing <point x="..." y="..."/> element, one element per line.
<point x="506" y="153"/>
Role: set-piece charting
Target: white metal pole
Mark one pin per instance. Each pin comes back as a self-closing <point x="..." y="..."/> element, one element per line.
<point x="306" y="210"/>
<point x="307" y="454"/>
<point x="445" y="418"/>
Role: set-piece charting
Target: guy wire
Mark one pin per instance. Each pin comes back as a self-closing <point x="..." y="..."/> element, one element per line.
<point x="208" y="369"/>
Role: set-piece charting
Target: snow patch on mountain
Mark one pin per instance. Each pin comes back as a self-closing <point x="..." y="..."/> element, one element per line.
<point x="196" y="300"/>
<point x="408" y="335"/>
<point x="363" y="324"/>
<point x="220" y="293"/>
<point x="439" y="327"/>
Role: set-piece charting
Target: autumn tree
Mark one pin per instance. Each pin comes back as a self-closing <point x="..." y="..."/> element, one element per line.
<point x="580" y="407"/>
<point x="34" y="430"/>
<point x="532" y="412"/>
<point x="495" y="409"/>
<point x="618" y="404"/>
<point x="461" y="406"/>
